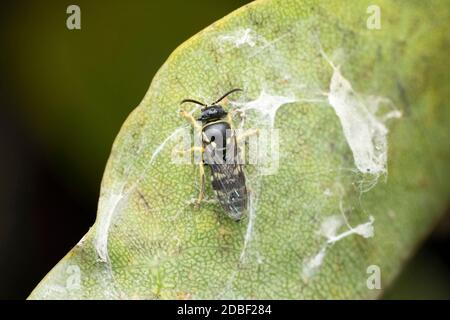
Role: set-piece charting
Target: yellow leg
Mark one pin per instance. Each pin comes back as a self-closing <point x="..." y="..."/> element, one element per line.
<point x="191" y="150"/>
<point x="246" y="134"/>
<point x="191" y="120"/>
<point x="198" y="128"/>
<point x="202" y="183"/>
<point x="237" y="111"/>
<point x="230" y="120"/>
<point x="201" y="172"/>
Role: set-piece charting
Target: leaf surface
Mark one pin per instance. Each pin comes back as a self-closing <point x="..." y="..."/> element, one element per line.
<point x="361" y="176"/>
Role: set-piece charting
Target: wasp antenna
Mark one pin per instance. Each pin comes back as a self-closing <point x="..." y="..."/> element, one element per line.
<point x="226" y="94"/>
<point x="193" y="101"/>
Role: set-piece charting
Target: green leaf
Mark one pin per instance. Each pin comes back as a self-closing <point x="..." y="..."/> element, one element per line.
<point x="362" y="176"/>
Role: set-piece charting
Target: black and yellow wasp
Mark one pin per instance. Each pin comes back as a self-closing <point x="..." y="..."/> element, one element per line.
<point x="220" y="151"/>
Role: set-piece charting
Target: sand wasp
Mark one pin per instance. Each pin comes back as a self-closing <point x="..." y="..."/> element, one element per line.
<point x="220" y="151"/>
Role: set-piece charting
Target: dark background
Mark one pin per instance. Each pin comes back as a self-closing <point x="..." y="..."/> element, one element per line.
<point x="63" y="97"/>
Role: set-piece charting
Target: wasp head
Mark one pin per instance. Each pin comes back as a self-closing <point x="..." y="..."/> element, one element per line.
<point x="212" y="113"/>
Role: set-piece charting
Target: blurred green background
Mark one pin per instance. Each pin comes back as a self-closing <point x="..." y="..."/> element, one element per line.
<point x="64" y="95"/>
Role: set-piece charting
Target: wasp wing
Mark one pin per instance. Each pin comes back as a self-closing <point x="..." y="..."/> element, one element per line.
<point x="228" y="178"/>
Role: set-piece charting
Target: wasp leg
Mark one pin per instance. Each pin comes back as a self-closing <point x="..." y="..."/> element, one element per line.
<point x="197" y="126"/>
<point x="231" y="114"/>
<point x="240" y="112"/>
<point x="191" y="120"/>
<point x="230" y="120"/>
<point x="246" y="134"/>
<point x="191" y="150"/>
<point x="201" y="167"/>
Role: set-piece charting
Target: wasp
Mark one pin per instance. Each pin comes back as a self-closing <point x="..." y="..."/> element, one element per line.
<point x="220" y="152"/>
